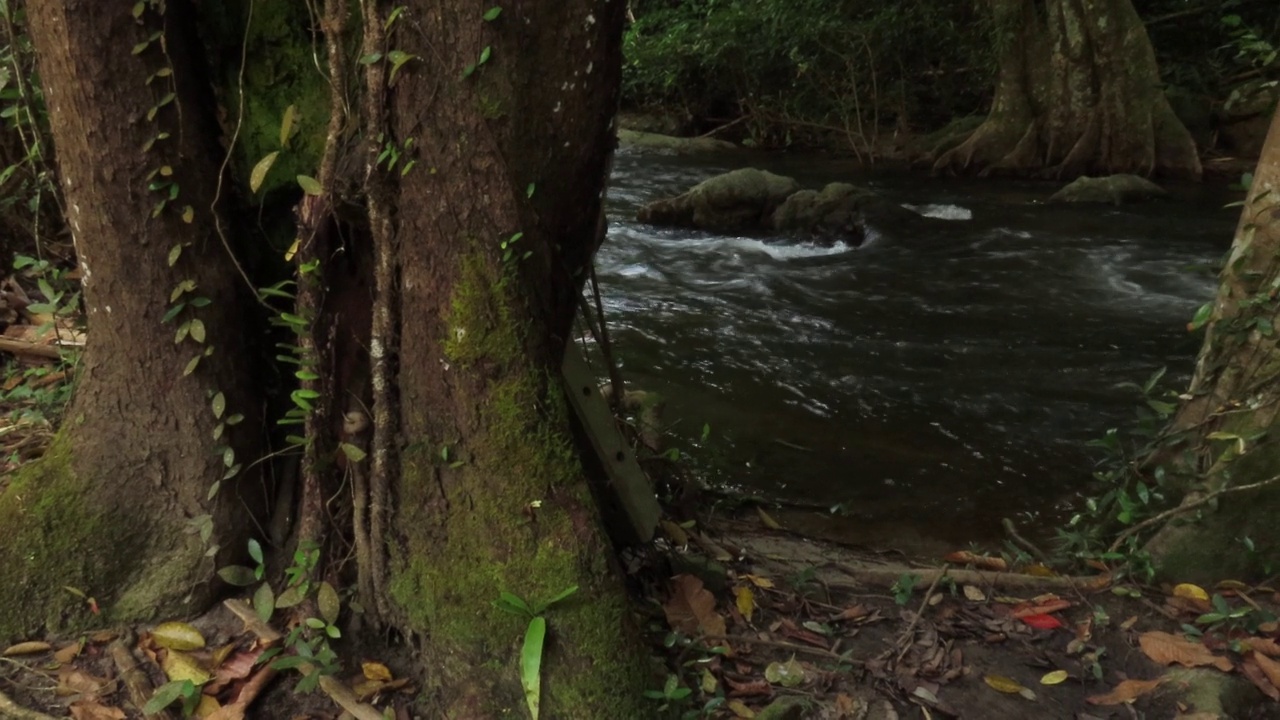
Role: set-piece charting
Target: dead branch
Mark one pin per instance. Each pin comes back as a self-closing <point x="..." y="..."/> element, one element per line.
<point x="1187" y="507"/>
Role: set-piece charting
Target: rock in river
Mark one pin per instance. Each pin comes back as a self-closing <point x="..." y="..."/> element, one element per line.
<point x="1114" y="189"/>
<point x="737" y="201"/>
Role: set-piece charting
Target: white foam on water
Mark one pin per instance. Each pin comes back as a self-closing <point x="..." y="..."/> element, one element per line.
<point x="787" y="251"/>
<point x="941" y="211"/>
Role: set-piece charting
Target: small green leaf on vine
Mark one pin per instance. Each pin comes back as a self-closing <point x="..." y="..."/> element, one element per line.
<point x="175" y="252"/>
<point x="353" y="453"/>
<point x="197" y="330"/>
<point x="260" y="170"/>
<point x="392" y="17"/>
<point x="188" y="216"/>
<point x="492" y="14"/>
<point x="484" y="55"/>
<point x="219" y="405"/>
<point x="309" y="185"/>
<point x="139" y="8"/>
<point x="191" y="366"/>
<point x="1201" y="317"/>
<point x="286" y="125"/>
<point x="370" y="59"/>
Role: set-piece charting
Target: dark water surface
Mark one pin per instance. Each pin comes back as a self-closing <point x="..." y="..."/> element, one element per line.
<point x="932" y="385"/>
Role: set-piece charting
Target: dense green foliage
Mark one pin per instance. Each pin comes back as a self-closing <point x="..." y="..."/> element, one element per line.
<point x="850" y="66"/>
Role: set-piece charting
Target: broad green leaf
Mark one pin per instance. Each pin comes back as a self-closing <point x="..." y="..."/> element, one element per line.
<point x="290" y="597"/>
<point x="166" y="694"/>
<point x="328" y="603"/>
<point x="260" y="170"/>
<point x="531" y="664"/>
<point x="255" y="550"/>
<point x="264" y="602"/>
<point x="237" y="575"/>
<point x="309" y="185"/>
<point x="354" y="454"/>
<point x="1201" y="317"/>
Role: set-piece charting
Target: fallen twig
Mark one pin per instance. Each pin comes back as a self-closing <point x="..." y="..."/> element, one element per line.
<point x="10" y="710"/>
<point x="1012" y="531"/>
<point x="793" y="647"/>
<point x="904" y="640"/>
<point x="134" y="678"/>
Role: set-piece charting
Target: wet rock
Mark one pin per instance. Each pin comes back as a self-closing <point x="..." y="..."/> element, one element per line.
<point x="742" y="200"/>
<point x="1246" y="116"/>
<point x="667" y="144"/>
<point x="1114" y="189"/>
<point x="839" y="210"/>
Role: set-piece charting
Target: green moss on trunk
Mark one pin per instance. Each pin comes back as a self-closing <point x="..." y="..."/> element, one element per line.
<point x="487" y="535"/>
<point x="56" y="537"/>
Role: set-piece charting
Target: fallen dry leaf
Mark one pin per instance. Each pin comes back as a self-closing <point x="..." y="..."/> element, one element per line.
<point x="1057" y="677"/>
<point x="1127" y="691"/>
<point x="740" y="709"/>
<point x="857" y="612"/>
<point x="691" y="609"/>
<point x="1269" y="667"/>
<point x="1167" y="649"/>
<point x="745" y="600"/>
<point x="27" y="648"/>
<point x="760" y="582"/>
<point x="1003" y="684"/>
<point x="974" y="593"/>
<point x="1249" y="668"/>
<point x="376" y="671"/>
<point x="768" y="521"/>
<point x="93" y="710"/>
<point x="77" y="682"/>
<point x="1265" y="646"/>
<point x="67" y="653"/>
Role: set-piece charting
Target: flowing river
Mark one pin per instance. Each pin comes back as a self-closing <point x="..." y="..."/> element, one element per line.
<point x="926" y="386"/>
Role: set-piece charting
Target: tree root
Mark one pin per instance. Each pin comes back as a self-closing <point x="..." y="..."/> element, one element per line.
<point x="1188" y="505"/>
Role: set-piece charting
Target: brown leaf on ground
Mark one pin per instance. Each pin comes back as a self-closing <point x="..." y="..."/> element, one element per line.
<point x="27" y="648"/>
<point x="1126" y="691"/>
<point x="692" y="608"/>
<point x="857" y="612"/>
<point x="1263" y="646"/>
<point x="752" y="688"/>
<point x="1167" y="649"/>
<point x="1269" y="667"/>
<point x="1249" y="668"/>
<point x="77" y="682"/>
<point x="92" y="710"/>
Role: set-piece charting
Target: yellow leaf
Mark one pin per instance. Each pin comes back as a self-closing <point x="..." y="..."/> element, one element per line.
<point x="188" y="214"/>
<point x="208" y="706"/>
<point x="741" y="710"/>
<point x="760" y="582"/>
<point x="769" y="522"/>
<point x="709" y="682"/>
<point x="260" y="171"/>
<point x="180" y="666"/>
<point x="1039" y="570"/>
<point x="974" y="593"/>
<point x="1057" y="677"/>
<point x="376" y="671"/>
<point x="1000" y="683"/>
<point x="27" y="648"/>
<point x="746" y="601"/>
<point x="293" y="249"/>
<point x="178" y="636"/>
<point x="1191" y="592"/>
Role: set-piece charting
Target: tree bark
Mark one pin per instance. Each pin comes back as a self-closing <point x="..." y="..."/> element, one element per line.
<point x="1078" y="92"/>
<point x="477" y="243"/>
<point x="1223" y="434"/>
<point x="496" y="227"/>
<point x="121" y="507"/>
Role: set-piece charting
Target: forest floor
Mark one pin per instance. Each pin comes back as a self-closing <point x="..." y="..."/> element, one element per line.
<point x="748" y="620"/>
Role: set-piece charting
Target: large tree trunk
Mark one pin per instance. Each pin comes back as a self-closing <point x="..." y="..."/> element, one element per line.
<point x="1224" y="433"/>
<point x="474" y="483"/>
<point x="1078" y="92"/>
<point x="519" y="145"/>
<point x="124" y="506"/>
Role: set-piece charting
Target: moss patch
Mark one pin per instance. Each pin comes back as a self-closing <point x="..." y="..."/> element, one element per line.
<point x="491" y="541"/>
<point x="55" y="537"/>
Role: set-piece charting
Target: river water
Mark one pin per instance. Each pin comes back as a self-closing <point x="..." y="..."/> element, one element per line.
<point x="928" y="386"/>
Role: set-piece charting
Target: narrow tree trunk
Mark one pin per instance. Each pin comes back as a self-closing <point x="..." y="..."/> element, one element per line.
<point x="1078" y="92"/>
<point x="121" y="507"/>
<point x="1224" y="433"/>
<point x="497" y="223"/>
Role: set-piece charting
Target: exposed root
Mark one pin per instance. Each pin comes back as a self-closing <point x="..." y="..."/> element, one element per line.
<point x="10" y="710"/>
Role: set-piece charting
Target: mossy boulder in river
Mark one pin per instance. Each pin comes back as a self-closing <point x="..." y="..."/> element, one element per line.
<point x="751" y="200"/>
<point x="741" y="200"/>
<point x="1114" y="189"/>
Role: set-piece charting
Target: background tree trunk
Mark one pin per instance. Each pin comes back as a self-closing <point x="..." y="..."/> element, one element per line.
<point x="120" y="507"/>
<point x="1233" y="404"/>
<point x="1078" y="92"/>
<point x="519" y="145"/>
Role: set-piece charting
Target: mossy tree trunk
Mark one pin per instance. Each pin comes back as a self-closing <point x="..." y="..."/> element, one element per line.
<point x="124" y="506"/>
<point x="497" y="223"/>
<point x="477" y="242"/>
<point x="1223" y="436"/>
<point x="1078" y="92"/>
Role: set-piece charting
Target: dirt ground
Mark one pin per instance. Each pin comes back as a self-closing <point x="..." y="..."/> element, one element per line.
<point x="751" y="621"/>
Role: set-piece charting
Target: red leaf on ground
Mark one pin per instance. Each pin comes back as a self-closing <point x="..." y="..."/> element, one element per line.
<point x="1042" y="622"/>
<point x="1041" y="606"/>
